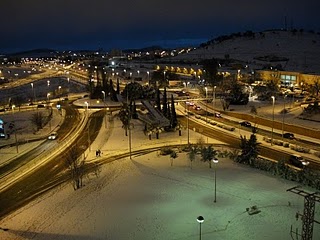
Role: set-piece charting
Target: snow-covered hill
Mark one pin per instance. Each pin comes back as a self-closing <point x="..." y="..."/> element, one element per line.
<point x="294" y="50"/>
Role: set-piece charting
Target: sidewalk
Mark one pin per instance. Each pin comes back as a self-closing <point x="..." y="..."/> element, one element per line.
<point x="112" y="140"/>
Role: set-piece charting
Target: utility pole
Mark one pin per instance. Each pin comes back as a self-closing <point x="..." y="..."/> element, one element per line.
<point x="308" y="212"/>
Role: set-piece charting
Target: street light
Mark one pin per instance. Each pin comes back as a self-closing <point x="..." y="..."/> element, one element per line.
<point x="200" y="220"/>
<point x="214" y="99"/>
<point x="215" y="162"/>
<point x="104" y="104"/>
<point x="148" y="73"/>
<point x="206" y="104"/>
<point x="188" y="135"/>
<point x="87" y="104"/>
<point x="283" y="112"/>
<point x="33" y="93"/>
<point x="273" y="99"/>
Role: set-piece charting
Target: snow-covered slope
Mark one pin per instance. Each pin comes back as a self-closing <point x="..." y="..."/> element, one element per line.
<point x="301" y="49"/>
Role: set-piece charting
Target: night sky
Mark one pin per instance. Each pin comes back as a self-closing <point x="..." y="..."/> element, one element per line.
<point x="107" y="24"/>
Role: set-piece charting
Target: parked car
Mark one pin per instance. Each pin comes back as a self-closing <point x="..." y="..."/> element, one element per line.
<point x="289" y="135"/>
<point x="298" y="161"/>
<point x="53" y="136"/>
<point x="245" y="124"/>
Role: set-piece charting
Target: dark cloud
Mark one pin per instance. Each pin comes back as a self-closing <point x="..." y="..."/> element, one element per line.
<point x="71" y="22"/>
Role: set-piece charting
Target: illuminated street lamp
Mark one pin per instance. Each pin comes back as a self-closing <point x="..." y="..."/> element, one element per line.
<point x="104" y="104"/>
<point x="206" y="104"/>
<point x="214" y="98"/>
<point x="87" y="104"/>
<point x="283" y="112"/>
<point x="215" y="163"/>
<point x="200" y="220"/>
<point x="148" y="73"/>
<point x="273" y="100"/>
<point x="33" y="93"/>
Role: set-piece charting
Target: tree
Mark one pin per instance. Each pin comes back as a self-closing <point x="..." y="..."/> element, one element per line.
<point x="207" y="154"/>
<point x="316" y="87"/>
<point x="75" y="166"/>
<point x="210" y="67"/>
<point x="192" y="155"/>
<point x="124" y="117"/>
<point x="173" y="155"/>
<point x="37" y="119"/>
<point x="158" y="101"/>
<point x="249" y="149"/>
<point x="133" y="91"/>
<point x="173" y="119"/>
<point x="164" y="103"/>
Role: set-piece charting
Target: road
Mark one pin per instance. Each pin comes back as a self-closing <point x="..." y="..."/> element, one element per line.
<point x="53" y="172"/>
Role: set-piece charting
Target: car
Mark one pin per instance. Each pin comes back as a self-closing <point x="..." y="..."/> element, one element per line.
<point x="41" y="106"/>
<point x="245" y="124"/>
<point x="53" y="136"/>
<point x="297" y="161"/>
<point x="288" y="135"/>
<point x="217" y="115"/>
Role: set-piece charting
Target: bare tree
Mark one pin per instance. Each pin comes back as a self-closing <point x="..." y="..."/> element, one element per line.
<point x="76" y="166"/>
<point x="38" y="119"/>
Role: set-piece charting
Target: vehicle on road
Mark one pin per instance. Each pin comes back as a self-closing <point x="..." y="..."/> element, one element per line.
<point x="289" y="135"/>
<point x="217" y="115"/>
<point x="297" y="161"/>
<point x="245" y="124"/>
<point x="53" y="136"/>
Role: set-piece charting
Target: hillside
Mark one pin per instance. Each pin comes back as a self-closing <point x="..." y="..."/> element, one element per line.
<point x="294" y="50"/>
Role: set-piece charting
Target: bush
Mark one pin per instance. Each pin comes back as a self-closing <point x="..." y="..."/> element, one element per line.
<point x="166" y="151"/>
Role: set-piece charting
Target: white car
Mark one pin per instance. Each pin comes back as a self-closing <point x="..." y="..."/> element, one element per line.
<point x="53" y="136"/>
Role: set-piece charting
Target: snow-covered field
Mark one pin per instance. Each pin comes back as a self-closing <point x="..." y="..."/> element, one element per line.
<point x="147" y="198"/>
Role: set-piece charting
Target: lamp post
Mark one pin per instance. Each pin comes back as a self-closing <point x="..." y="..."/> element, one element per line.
<point x="273" y="100"/>
<point x="215" y="162"/>
<point x="283" y="112"/>
<point x="214" y="98"/>
<point x="200" y="220"/>
<point x="148" y="73"/>
<point x="87" y="104"/>
<point x="188" y="135"/>
<point x="206" y="104"/>
<point x="33" y="93"/>
<point x="129" y="123"/>
<point x="105" y="110"/>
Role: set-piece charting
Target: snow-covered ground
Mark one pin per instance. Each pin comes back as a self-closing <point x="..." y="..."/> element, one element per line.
<point x="302" y="50"/>
<point x="147" y="198"/>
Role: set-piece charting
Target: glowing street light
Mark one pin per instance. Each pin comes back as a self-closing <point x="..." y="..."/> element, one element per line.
<point x="214" y="98"/>
<point x="200" y="220"/>
<point x="148" y="73"/>
<point x="283" y="112"/>
<point x="104" y="103"/>
<point x="33" y="92"/>
<point x="215" y="163"/>
<point x="87" y="104"/>
<point x="206" y="104"/>
<point x="273" y="100"/>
